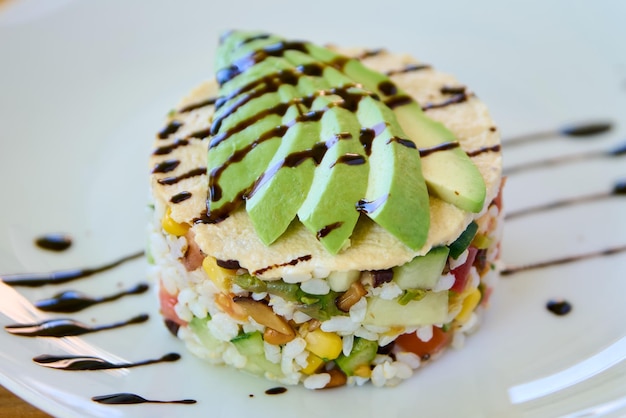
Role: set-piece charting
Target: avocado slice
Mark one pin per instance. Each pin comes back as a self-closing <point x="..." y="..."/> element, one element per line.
<point x="287" y="137"/>
<point x="339" y="181"/>
<point x="395" y="200"/>
<point x="281" y="189"/>
<point x="449" y="173"/>
<point x="396" y="197"/>
<point x="235" y="164"/>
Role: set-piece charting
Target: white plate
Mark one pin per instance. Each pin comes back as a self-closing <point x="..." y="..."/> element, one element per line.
<point x="84" y="85"/>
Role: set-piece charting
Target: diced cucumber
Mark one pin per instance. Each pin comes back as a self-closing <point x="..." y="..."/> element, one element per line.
<point x="250" y="345"/>
<point x="340" y="281"/>
<point x="199" y="327"/>
<point x="363" y="352"/>
<point x="431" y="309"/>
<point x="422" y="272"/>
<point x="463" y="241"/>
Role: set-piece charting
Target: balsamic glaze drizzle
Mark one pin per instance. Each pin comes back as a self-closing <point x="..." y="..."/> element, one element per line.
<point x="62" y="276"/>
<point x="131" y="398"/>
<point x="180" y="197"/>
<point x="617" y="151"/>
<point x="455" y="99"/>
<point x="65" y="327"/>
<point x="482" y="150"/>
<point x="619" y="189"/>
<point x="89" y="363"/>
<point x="349" y="159"/>
<point x="322" y="233"/>
<point x="54" y="242"/>
<point x="189" y="174"/>
<point x="288" y="263"/>
<point x="165" y="166"/>
<point x="366" y="207"/>
<point x="408" y="69"/>
<point x="208" y="102"/>
<point x="425" y="152"/>
<point x="508" y="271"/>
<point x="582" y="130"/>
<point x="166" y="149"/>
<point x="370" y="53"/>
<point x="71" y="301"/>
<point x="170" y="129"/>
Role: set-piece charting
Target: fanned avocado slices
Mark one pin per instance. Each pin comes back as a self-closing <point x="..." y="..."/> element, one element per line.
<point x="449" y="173"/>
<point x="302" y="131"/>
<point x="280" y="191"/>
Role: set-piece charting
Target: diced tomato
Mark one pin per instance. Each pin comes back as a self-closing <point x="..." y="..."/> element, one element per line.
<point x="461" y="273"/>
<point x="424" y="350"/>
<point x="486" y="295"/>
<point x="167" y="302"/>
<point x="498" y="200"/>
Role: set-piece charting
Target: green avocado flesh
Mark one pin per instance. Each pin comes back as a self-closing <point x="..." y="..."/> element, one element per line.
<point x="302" y="132"/>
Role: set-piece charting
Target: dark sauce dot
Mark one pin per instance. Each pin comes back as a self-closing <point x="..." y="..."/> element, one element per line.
<point x="172" y="327"/>
<point x="619" y="188"/>
<point x="165" y="166"/>
<point x="276" y="391"/>
<point x="452" y="89"/>
<point x="180" y="197"/>
<point x="350" y="159"/>
<point x="559" y="307"/>
<point x="387" y="88"/>
<point x="312" y="69"/>
<point x="228" y="264"/>
<point x="322" y="233"/>
<point x="251" y="395"/>
<point x="381" y="276"/>
<point x="54" y="242"/>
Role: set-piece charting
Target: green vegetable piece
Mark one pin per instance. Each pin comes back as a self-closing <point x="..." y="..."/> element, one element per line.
<point x="199" y="327"/>
<point x="411" y="294"/>
<point x="363" y="352"/>
<point x="250" y="283"/>
<point x="463" y="241"/>
<point x="431" y="309"/>
<point x="422" y="272"/>
<point x="251" y="346"/>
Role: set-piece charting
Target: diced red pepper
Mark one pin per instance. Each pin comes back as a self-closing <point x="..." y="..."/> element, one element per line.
<point x="461" y="273"/>
<point x="424" y="350"/>
<point x="167" y="302"/>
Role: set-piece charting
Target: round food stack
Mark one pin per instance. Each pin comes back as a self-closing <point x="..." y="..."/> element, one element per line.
<point x="323" y="216"/>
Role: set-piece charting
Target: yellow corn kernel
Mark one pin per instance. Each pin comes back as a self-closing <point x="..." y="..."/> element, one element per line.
<point x="170" y="226"/>
<point x="363" y="371"/>
<point x="469" y="304"/>
<point x="482" y="241"/>
<point x="324" y="344"/>
<point x="220" y="276"/>
<point x="313" y="364"/>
